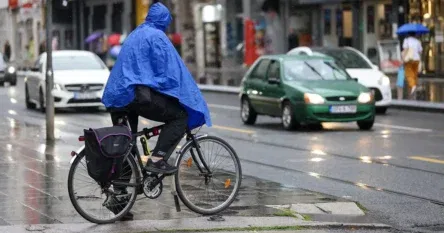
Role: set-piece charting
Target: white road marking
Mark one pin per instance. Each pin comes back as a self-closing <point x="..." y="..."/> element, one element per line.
<point x="235" y="108"/>
<point x="403" y="127"/>
<point x="224" y="107"/>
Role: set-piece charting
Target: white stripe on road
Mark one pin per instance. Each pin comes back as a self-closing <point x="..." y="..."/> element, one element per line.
<point x="403" y="127"/>
<point x="228" y="107"/>
<point x="224" y="107"/>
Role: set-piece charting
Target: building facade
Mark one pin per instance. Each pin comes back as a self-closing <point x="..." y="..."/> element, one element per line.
<point x="372" y="21"/>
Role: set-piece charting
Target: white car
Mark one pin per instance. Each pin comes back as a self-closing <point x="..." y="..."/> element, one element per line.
<point x="358" y="66"/>
<point x="79" y="80"/>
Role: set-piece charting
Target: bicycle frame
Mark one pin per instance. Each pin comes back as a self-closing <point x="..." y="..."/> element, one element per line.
<point x="155" y="131"/>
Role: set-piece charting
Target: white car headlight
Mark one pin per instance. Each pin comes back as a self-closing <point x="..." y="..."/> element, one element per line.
<point x="384" y="81"/>
<point x="310" y="98"/>
<point x="11" y="69"/>
<point x="57" y="87"/>
<point x="365" y="98"/>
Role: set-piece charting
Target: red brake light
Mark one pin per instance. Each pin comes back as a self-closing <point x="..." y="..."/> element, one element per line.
<point x="81" y="138"/>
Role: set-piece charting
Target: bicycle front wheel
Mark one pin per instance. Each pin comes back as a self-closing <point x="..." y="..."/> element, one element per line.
<point x="206" y="192"/>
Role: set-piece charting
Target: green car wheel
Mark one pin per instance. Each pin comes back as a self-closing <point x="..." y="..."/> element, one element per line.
<point x="288" y="120"/>
<point x="248" y="115"/>
<point x="366" y="124"/>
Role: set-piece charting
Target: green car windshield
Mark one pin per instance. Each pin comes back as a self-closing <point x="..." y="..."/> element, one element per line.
<point x="296" y="70"/>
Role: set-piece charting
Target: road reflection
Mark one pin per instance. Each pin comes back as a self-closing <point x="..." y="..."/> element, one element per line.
<point x="33" y="176"/>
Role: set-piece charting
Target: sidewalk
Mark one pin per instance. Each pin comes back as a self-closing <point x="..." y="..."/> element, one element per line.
<point x="233" y="224"/>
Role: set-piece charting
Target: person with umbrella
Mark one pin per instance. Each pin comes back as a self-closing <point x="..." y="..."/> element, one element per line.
<point x="411" y="53"/>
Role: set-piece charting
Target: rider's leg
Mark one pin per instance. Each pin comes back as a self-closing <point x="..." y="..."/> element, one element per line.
<point x="161" y="108"/>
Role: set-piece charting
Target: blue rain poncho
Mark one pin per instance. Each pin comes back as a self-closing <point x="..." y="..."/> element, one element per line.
<point x="149" y="58"/>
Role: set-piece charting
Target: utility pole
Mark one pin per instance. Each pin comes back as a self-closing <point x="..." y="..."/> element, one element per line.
<point x="49" y="80"/>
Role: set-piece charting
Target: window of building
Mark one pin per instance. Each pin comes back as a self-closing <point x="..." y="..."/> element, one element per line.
<point x="371" y="19"/>
<point x="117" y="17"/>
<point x="339" y="22"/>
<point x="99" y="16"/>
<point x="327" y="21"/>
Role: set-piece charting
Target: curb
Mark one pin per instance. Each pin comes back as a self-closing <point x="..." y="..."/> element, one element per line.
<point x="188" y="225"/>
<point x="418" y="105"/>
<point x="423" y="106"/>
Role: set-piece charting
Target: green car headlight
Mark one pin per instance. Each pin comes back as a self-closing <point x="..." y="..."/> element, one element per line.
<point x="311" y="98"/>
<point x="365" y="98"/>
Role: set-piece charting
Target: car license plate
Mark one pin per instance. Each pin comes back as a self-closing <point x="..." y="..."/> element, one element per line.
<point x="343" y="109"/>
<point x="83" y="96"/>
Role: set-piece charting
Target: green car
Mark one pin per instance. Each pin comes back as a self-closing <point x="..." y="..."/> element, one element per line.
<point x="305" y="90"/>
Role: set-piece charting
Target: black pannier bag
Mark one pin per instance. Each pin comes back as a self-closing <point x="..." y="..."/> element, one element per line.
<point x="105" y="150"/>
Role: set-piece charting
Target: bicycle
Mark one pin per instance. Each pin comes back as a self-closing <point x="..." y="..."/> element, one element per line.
<point x="151" y="184"/>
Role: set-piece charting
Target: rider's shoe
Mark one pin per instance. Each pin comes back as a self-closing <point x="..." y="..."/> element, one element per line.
<point x="160" y="167"/>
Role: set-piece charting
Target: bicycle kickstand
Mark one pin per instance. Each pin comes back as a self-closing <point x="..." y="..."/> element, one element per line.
<point x="174" y="192"/>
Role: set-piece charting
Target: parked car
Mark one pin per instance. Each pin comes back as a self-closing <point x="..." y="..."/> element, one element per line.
<point x="304" y="90"/>
<point x="8" y="72"/>
<point x="358" y="66"/>
<point x="79" y="80"/>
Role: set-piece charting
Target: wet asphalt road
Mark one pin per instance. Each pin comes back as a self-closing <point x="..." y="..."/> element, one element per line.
<point x="395" y="171"/>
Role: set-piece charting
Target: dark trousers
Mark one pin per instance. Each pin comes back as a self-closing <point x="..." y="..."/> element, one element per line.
<point x="161" y="108"/>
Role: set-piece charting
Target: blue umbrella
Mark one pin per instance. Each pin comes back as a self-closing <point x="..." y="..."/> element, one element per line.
<point x="93" y="37"/>
<point x="412" y="27"/>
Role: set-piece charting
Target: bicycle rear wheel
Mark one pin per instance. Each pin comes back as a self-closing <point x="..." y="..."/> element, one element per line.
<point x="98" y="204"/>
<point x="212" y="193"/>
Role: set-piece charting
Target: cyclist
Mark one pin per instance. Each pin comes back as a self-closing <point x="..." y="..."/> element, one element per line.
<point x="149" y="79"/>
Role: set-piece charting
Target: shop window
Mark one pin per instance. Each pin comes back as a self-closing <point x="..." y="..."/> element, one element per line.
<point x="69" y="34"/>
<point x="327" y="21"/>
<point x="117" y="18"/>
<point x="339" y="23"/>
<point x="99" y="14"/>
<point x="347" y="23"/>
<point x="371" y="19"/>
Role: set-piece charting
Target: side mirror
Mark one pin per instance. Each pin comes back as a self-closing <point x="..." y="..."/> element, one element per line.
<point x="355" y="79"/>
<point x="274" y="80"/>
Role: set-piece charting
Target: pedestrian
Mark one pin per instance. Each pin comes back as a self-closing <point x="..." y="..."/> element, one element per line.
<point x="176" y="39"/>
<point x="400" y="82"/>
<point x="42" y="47"/>
<point x="26" y="55"/>
<point x="293" y="39"/>
<point x="7" y="51"/>
<point x="411" y="56"/>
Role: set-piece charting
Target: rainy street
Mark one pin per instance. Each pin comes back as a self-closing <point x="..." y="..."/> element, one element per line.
<point x="394" y="171"/>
